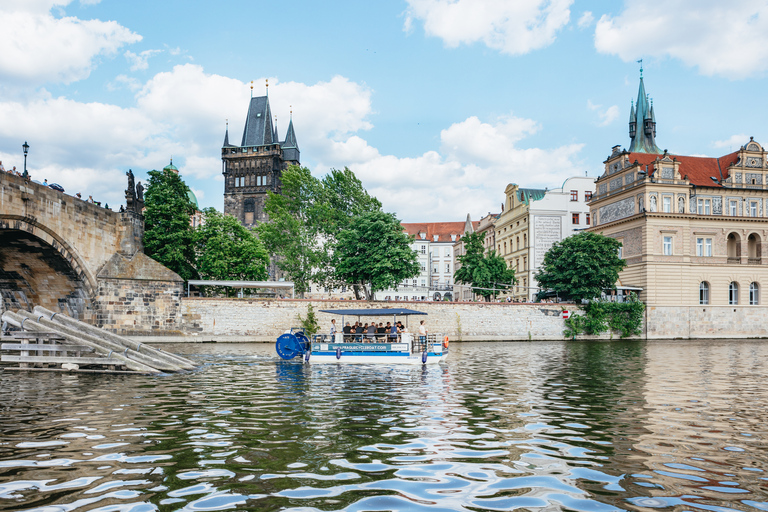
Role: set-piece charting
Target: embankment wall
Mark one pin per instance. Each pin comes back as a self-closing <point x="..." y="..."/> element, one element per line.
<point x="263" y="320"/>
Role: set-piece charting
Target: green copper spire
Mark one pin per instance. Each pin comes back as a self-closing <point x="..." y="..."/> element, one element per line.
<point x="642" y="122"/>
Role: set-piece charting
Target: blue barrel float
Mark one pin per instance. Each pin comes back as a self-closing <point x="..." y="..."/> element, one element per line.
<point x="290" y="345"/>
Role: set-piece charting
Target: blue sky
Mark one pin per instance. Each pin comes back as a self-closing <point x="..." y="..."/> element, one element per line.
<point x="436" y="105"/>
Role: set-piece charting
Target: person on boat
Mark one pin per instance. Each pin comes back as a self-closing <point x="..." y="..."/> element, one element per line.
<point x="347" y="332"/>
<point x="333" y="328"/>
<point x="422" y="332"/>
<point x="358" y="331"/>
<point x="393" y="332"/>
<point x="371" y="331"/>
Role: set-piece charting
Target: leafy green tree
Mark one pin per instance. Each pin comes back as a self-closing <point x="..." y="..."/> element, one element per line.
<point x="168" y="236"/>
<point x="310" y="324"/>
<point x="305" y="219"/>
<point x="486" y="273"/>
<point x="581" y="266"/>
<point x="374" y="252"/>
<point x="291" y="232"/>
<point x="228" y="251"/>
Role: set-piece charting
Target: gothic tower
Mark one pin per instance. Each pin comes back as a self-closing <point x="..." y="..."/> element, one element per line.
<point x="642" y="123"/>
<point x="256" y="165"/>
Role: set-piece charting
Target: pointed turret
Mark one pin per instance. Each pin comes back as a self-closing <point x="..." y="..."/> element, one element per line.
<point x="226" y="137"/>
<point x="643" y="140"/>
<point x="258" y="123"/>
<point x="290" y="146"/>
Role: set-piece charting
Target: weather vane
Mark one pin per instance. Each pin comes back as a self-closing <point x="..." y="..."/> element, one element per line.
<point x="641" y="67"/>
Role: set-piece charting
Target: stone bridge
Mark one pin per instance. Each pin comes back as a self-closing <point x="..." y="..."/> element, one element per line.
<point x="76" y="257"/>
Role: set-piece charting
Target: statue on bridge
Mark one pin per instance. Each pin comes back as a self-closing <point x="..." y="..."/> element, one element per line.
<point x="134" y="195"/>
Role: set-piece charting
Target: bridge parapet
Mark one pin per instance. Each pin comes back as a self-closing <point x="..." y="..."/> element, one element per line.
<point x="61" y="252"/>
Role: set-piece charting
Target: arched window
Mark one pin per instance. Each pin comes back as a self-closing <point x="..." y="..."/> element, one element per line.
<point x="733" y="293"/>
<point x="704" y="292"/>
<point x="754" y="294"/>
<point x="734" y="247"/>
<point x="517" y="244"/>
<point x="753" y="248"/>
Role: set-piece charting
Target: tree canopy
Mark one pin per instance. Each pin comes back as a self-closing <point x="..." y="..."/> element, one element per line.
<point x="374" y="252"/>
<point x="305" y="219"/>
<point x="581" y="266"/>
<point x="228" y="251"/>
<point x="486" y="273"/>
<point x="168" y="236"/>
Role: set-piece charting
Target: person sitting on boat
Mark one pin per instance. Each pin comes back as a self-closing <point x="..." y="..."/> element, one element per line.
<point x="347" y="332"/>
<point x="393" y="332"/>
<point x="359" y="332"/>
<point x="371" y="331"/>
<point x="380" y="329"/>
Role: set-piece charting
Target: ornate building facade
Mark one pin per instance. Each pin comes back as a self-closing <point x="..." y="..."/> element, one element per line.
<point x="532" y="220"/>
<point x="691" y="227"/>
<point x="255" y="166"/>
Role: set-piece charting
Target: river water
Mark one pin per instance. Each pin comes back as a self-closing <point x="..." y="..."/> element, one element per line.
<point x="500" y="426"/>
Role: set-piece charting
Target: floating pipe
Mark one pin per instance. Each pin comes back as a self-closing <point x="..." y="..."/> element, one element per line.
<point x="16" y="320"/>
<point x="63" y="319"/>
<point x="144" y="359"/>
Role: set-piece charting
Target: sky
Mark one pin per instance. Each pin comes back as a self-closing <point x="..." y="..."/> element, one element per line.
<point x="436" y="105"/>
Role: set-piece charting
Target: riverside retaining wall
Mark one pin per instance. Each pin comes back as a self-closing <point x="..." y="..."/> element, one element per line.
<point x="264" y="320"/>
<point x="216" y="319"/>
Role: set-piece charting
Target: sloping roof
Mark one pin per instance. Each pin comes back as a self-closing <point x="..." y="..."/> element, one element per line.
<point x="443" y="230"/>
<point x="526" y="195"/>
<point x="258" y="123"/>
<point x="698" y="169"/>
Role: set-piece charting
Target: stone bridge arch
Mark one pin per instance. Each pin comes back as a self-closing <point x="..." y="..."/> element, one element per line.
<point x="76" y="257"/>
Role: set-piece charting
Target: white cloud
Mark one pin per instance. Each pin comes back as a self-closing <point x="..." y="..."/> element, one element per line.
<point x="732" y="143"/>
<point x="511" y="27"/>
<point x="140" y="60"/>
<point x="606" y="115"/>
<point x="87" y="147"/>
<point x="36" y="47"/>
<point x="468" y="174"/>
<point x="719" y="38"/>
<point x="126" y="81"/>
<point x="586" y="20"/>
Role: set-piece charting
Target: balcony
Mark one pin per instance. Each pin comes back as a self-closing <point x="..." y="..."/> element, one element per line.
<point x="734" y="261"/>
<point x="754" y="261"/>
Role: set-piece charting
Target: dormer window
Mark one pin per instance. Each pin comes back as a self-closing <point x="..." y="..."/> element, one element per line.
<point x="423" y="236"/>
<point x="453" y="238"/>
<point x="435" y="237"/>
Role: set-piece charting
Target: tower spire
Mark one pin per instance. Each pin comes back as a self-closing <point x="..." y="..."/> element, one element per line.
<point x="642" y="121"/>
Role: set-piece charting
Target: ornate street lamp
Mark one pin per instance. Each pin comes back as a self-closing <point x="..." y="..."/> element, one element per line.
<point x="25" y="147"/>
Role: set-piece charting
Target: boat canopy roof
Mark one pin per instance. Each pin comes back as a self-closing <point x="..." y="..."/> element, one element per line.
<point x="374" y="312"/>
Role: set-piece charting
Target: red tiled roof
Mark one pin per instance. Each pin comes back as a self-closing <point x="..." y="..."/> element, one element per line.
<point x="697" y="168"/>
<point x="444" y="230"/>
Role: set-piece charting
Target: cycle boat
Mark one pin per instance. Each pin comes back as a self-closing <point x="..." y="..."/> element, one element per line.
<point x="378" y="348"/>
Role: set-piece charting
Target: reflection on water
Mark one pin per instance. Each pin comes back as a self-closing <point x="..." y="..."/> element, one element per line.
<point x="501" y="426"/>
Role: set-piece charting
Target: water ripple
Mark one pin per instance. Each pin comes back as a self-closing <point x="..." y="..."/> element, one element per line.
<point x="588" y="427"/>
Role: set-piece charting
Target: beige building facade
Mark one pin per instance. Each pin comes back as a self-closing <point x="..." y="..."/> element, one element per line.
<point x="691" y="228"/>
<point x="532" y="221"/>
